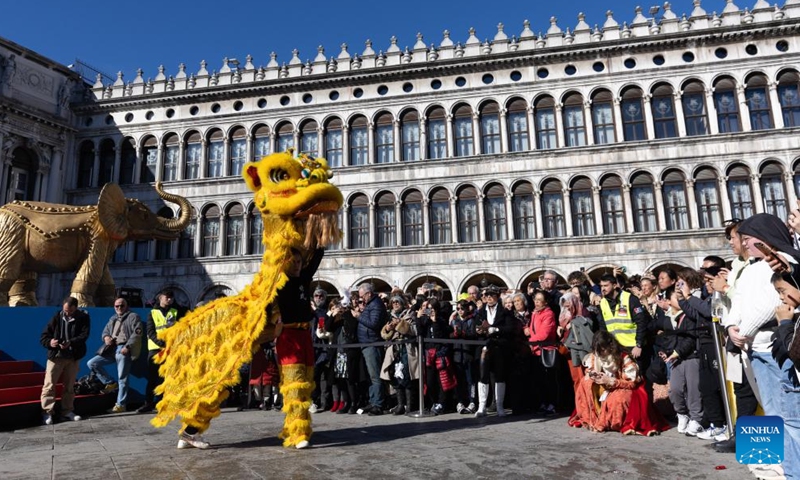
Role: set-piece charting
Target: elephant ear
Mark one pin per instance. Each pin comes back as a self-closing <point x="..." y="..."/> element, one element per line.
<point x="112" y="210"/>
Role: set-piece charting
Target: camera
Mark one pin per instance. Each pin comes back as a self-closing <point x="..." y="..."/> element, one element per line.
<point x="427" y="311"/>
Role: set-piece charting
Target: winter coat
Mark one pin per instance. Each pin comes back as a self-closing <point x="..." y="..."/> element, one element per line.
<point x="74" y="331"/>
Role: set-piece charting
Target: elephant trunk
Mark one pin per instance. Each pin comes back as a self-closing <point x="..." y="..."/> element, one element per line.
<point x="180" y="223"/>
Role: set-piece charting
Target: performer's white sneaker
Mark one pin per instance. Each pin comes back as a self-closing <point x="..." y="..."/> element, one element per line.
<point x="302" y="444"/>
<point x="196" y="441"/>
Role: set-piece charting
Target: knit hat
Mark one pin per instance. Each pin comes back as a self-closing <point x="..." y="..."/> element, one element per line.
<point x="320" y="291"/>
<point x="398" y="298"/>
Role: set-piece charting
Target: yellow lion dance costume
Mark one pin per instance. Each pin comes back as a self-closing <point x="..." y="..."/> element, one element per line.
<point x="205" y="349"/>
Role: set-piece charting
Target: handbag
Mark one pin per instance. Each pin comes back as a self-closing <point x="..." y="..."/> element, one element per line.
<point x="548" y="357"/>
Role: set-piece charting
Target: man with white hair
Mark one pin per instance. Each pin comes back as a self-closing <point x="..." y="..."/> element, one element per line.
<point x="370" y="322"/>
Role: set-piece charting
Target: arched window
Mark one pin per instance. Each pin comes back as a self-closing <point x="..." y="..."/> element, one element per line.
<point x="262" y="142"/>
<point x="127" y="164"/>
<point x="194" y="155"/>
<point x="756" y="94"/>
<point x="490" y="128"/>
<point x="694" y="108"/>
<point x="517" y="119"/>
<point x="675" y="209"/>
<point x="739" y="192"/>
<point x="359" y="143"/>
<point x="150" y="163"/>
<point x="612" y="205"/>
<point x="437" y="134"/>
<point x="186" y="238"/>
<point x="333" y="142"/>
<point x="412" y="219"/>
<point x="141" y="250"/>
<point x="164" y="247"/>
<point x="22" y="174"/>
<point x="582" y="207"/>
<point x="574" y="123"/>
<point x="439" y="214"/>
<point x="216" y="154"/>
<point x="384" y="138"/>
<point x="462" y="131"/>
<point x="107" y="154"/>
<point x="409" y="131"/>
<point x="385" y="221"/>
<point x="524" y="216"/>
<point x="210" y="247"/>
<point x="633" y="115"/>
<point x="707" y="198"/>
<point x="643" y="203"/>
<point x="234" y="230"/>
<point x="789" y="97"/>
<point x="85" y="164"/>
<point x="285" y="137"/>
<point x="603" y="117"/>
<point x="545" y="112"/>
<point x="238" y="153"/>
<point x="553" y="209"/>
<point x="494" y="211"/>
<point x="256" y="233"/>
<point x="772" y="190"/>
<point x="664" y="112"/>
<point x="359" y="222"/>
<point x="169" y="172"/>
<point x="308" y="138"/>
<point x="467" y="211"/>
<point x="725" y="101"/>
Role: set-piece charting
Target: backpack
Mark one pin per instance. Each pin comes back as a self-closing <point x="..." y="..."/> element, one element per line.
<point x="88" y="385"/>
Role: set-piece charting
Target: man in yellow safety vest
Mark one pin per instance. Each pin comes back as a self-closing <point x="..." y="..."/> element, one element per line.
<point x="627" y="320"/>
<point x="163" y="316"/>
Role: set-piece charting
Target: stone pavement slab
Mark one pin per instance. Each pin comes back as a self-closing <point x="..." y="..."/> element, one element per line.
<point x="245" y="446"/>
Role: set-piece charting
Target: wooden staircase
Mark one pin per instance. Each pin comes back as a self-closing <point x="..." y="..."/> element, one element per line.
<point x="21" y="390"/>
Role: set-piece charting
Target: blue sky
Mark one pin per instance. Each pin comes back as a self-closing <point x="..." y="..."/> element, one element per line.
<point x="147" y="33"/>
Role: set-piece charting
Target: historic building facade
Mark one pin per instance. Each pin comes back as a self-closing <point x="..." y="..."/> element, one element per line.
<point x="618" y="144"/>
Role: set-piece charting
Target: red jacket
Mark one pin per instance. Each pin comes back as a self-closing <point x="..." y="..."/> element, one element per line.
<point x="543" y="329"/>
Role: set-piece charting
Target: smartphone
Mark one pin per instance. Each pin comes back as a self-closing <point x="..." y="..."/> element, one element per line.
<point x="767" y="251"/>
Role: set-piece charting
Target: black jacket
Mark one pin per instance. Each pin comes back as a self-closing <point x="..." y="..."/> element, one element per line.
<point x="75" y="331"/>
<point x="681" y="339"/>
<point x="504" y="321"/>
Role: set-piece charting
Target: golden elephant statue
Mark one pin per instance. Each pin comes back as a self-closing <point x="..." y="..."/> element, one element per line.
<point x="37" y="237"/>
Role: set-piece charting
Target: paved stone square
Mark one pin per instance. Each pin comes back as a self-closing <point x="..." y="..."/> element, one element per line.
<point x="244" y="445"/>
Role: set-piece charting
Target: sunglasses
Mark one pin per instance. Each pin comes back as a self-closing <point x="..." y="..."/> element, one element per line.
<point x="319" y="296"/>
<point x="361" y="302"/>
<point x="119" y="306"/>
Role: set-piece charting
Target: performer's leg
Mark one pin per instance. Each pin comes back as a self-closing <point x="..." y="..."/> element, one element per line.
<point x="297" y="382"/>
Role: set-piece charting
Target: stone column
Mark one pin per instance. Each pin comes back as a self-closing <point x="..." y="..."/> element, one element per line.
<point x="137" y="173"/>
<point x="320" y="142"/>
<point x="691" y="204"/>
<point x="662" y="218"/>
<point x="619" y="127"/>
<point x="117" y="163"/>
<point x="476" y="133"/>
<point x="248" y="149"/>
<point x="96" y="167"/>
<point x="628" y="206"/>
<point x="503" y="116"/>
<point x="560" y="134"/>
<point x="295" y="140"/>
<point x="481" y="218"/>
<point x="775" y="105"/>
<point x="711" y="112"/>
<point x="159" y="162"/>
<point x="203" y="159"/>
<point x="346" y="227"/>
<point x="453" y="220"/>
<point x="724" y="198"/>
<point x="370" y="143"/>
<point x="398" y="144"/>
<point x="791" y="195"/>
<point x="371" y="224"/>
<point x="744" y="112"/>
<point x="398" y="222"/>
<point x="758" y="199"/>
<point x="567" y="211"/>
<point x="648" y="116"/>
<point x="423" y="138"/>
<point x="598" y="210"/>
<point x="246" y="232"/>
<point x="679" y="116"/>
<point x="273" y="142"/>
<point x="532" y="127"/>
<point x="226" y="156"/>
<point x="538" y="214"/>
<point x="198" y="237"/>
<point x="223" y="237"/>
<point x="588" y="122"/>
<point x="451" y="152"/>
<point x="426" y="222"/>
<point x="346" y="160"/>
<point x="180" y="168"/>
<point x="510" y="216"/>
<point x="54" y="187"/>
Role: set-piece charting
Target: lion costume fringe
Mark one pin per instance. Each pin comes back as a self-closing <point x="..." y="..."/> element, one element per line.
<point x="205" y="349"/>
